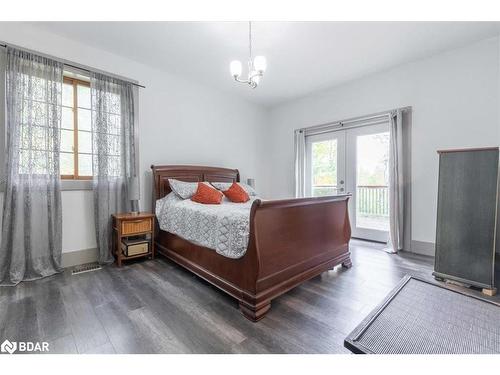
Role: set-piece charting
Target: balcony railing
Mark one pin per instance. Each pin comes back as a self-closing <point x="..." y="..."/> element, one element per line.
<point x="371" y="200"/>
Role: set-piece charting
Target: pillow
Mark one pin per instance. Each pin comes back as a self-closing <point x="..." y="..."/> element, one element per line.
<point x="226" y="185"/>
<point x="184" y="190"/>
<point x="207" y="194"/>
<point x="236" y="194"/>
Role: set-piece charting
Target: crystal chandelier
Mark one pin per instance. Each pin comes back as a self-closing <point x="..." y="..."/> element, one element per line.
<point x="256" y="67"/>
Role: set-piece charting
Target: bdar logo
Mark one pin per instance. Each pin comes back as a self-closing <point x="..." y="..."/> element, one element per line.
<point x="9" y="347"/>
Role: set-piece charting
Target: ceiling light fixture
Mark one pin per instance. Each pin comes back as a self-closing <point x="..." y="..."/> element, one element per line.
<point x="256" y="67"/>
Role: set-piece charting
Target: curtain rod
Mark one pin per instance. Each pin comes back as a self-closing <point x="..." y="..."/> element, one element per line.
<point x="77" y="67"/>
<point x="352" y="120"/>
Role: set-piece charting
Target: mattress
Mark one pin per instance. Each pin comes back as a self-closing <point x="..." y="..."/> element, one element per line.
<point x="224" y="228"/>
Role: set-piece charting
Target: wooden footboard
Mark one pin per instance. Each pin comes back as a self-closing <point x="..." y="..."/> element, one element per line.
<point x="294" y="240"/>
<point x="290" y="242"/>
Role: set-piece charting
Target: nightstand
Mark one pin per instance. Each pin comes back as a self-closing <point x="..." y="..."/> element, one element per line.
<point x="129" y="227"/>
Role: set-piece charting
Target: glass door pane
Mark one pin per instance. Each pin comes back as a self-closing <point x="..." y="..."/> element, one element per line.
<point x="372" y="192"/>
<point x="325" y="164"/>
<point x="324" y="168"/>
<point x="367" y="179"/>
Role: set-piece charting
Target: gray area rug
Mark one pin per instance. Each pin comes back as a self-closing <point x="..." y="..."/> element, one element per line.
<point x="420" y="317"/>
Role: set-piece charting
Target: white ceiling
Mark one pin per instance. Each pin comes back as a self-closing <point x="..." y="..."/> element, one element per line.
<point x="302" y="57"/>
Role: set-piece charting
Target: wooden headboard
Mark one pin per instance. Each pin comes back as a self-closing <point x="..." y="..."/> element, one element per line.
<point x="188" y="173"/>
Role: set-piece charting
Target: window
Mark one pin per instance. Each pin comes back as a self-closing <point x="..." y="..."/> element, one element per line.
<point x="78" y="141"/>
<point x="76" y="131"/>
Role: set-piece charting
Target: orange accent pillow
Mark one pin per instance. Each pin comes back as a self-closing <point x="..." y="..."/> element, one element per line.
<point x="207" y="195"/>
<point x="236" y="194"/>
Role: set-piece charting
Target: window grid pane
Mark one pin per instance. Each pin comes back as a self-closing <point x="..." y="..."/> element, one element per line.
<point x="77" y="93"/>
<point x="83" y="96"/>
<point x="84" y="142"/>
<point x="85" y="164"/>
<point x="67" y="164"/>
<point x="67" y="95"/>
<point x="84" y="119"/>
<point x="67" y="121"/>
<point x="67" y="140"/>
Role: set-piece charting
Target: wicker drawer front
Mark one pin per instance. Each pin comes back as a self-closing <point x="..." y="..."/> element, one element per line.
<point x="136" y="226"/>
<point x="131" y="250"/>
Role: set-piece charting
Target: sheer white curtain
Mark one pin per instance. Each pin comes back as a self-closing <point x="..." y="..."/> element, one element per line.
<point x="31" y="228"/>
<point x="396" y="182"/>
<point x="300" y="163"/>
<point x="113" y="116"/>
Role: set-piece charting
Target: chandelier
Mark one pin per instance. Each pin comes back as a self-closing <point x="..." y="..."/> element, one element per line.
<point x="256" y="67"/>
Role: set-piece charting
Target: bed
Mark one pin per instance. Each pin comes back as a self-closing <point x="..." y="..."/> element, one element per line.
<point x="289" y="241"/>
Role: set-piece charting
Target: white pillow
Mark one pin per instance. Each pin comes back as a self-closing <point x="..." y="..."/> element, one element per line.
<point x="184" y="190"/>
<point x="223" y="186"/>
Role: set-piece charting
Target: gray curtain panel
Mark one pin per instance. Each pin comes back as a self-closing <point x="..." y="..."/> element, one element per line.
<point x="113" y="114"/>
<point x="31" y="222"/>
<point x="300" y="164"/>
<point x="396" y="182"/>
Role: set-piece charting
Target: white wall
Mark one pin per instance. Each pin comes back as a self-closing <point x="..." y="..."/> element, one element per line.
<point x="179" y="122"/>
<point x="455" y="100"/>
<point x="454" y="95"/>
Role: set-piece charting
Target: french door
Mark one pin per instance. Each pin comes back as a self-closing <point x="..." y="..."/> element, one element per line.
<point x="355" y="161"/>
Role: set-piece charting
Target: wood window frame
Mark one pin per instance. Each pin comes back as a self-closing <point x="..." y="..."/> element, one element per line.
<point x="75" y="82"/>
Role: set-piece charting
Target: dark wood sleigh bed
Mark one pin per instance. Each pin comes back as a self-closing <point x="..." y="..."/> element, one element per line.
<point x="290" y="242"/>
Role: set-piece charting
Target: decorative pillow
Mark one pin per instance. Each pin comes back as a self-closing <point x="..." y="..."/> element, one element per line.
<point x="226" y="185"/>
<point x="184" y="190"/>
<point x="207" y="194"/>
<point x="236" y="194"/>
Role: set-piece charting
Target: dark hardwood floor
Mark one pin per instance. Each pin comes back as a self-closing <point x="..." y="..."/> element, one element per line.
<point x="157" y="307"/>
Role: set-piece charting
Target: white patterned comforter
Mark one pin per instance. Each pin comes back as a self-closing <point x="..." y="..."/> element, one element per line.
<point x="224" y="228"/>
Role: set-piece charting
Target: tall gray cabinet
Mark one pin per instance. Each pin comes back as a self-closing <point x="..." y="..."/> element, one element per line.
<point x="467" y="217"/>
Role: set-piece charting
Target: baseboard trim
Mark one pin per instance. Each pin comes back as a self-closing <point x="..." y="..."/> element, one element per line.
<point x="423" y="248"/>
<point x="75" y="258"/>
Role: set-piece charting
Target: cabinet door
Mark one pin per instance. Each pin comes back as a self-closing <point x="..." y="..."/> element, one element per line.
<point x="466" y="217"/>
